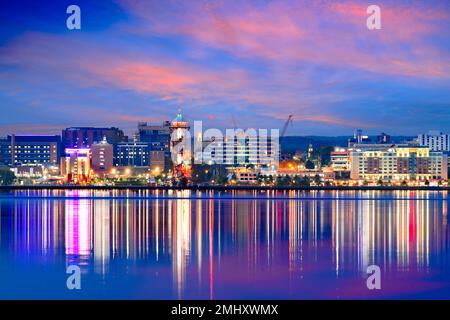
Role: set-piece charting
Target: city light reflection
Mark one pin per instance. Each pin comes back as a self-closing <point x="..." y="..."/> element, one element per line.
<point x="204" y="242"/>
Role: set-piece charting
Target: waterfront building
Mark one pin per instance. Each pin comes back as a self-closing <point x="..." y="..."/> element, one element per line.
<point x="340" y="164"/>
<point x="246" y="176"/>
<point x="31" y="149"/>
<point x="85" y="137"/>
<point x="158" y="161"/>
<point x="132" y="154"/>
<point x="243" y="150"/>
<point x="102" y="157"/>
<point x="435" y="140"/>
<point x="340" y="160"/>
<point x="398" y="164"/>
<point x="76" y="165"/>
<point x="158" y="138"/>
<point x="38" y="171"/>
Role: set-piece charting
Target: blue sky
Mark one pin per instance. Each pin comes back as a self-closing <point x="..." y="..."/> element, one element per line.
<point x="254" y="61"/>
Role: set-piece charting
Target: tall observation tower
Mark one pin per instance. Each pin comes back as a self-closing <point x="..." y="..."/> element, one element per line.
<point x="180" y="147"/>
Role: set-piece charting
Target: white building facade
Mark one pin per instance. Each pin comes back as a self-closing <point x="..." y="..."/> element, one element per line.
<point x="435" y="140"/>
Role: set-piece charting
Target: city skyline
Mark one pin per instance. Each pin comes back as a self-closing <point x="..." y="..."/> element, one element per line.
<point x="248" y="62"/>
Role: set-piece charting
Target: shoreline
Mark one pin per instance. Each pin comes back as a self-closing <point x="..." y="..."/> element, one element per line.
<point x="228" y="188"/>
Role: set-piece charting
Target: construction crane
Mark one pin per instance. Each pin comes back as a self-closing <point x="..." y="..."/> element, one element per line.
<point x="288" y="122"/>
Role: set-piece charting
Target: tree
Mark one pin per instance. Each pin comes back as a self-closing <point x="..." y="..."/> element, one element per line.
<point x="404" y="183"/>
<point x="427" y="183"/>
<point x="259" y="178"/>
<point x="283" y="180"/>
<point x="303" y="182"/>
<point x="268" y="179"/>
<point x="7" y="177"/>
<point x="296" y="181"/>
<point x="202" y="173"/>
<point x="221" y="179"/>
<point x="380" y="182"/>
<point x="317" y="180"/>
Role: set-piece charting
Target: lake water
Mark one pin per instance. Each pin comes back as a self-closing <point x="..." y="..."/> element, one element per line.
<point x="229" y="245"/>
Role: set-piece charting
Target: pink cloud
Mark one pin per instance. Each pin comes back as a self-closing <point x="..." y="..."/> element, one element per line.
<point x="276" y="36"/>
<point x="170" y="80"/>
<point x="325" y="33"/>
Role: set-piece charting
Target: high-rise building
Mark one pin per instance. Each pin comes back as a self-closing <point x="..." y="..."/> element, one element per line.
<point x="102" y="157"/>
<point x="134" y="154"/>
<point x="158" y="139"/>
<point x="32" y="149"/>
<point x="157" y="135"/>
<point x="398" y="164"/>
<point x="239" y="150"/>
<point x="435" y="140"/>
<point x="85" y="137"/>
<point x="76" y="165"/>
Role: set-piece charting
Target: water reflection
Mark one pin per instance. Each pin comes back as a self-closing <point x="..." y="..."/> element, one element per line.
<point x="208" y="243"/>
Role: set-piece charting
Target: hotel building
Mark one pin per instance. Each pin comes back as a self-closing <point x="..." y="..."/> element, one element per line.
<point x="398" y="164"/>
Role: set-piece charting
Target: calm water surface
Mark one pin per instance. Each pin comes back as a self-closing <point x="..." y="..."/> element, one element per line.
<point x="235" y="245"/>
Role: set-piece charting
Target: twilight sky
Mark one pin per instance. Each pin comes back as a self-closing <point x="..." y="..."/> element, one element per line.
<point x="252" y="61"/>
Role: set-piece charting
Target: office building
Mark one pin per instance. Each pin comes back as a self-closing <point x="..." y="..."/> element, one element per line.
<point x="242" y="149"/>
<point x="435" y="140"/>
<point x="134" y="154"/>
<point x="102" y="157"/>
<point x="31" y="149"/>
<point x="85" y="137"/>
<point x="158" y="139"/>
